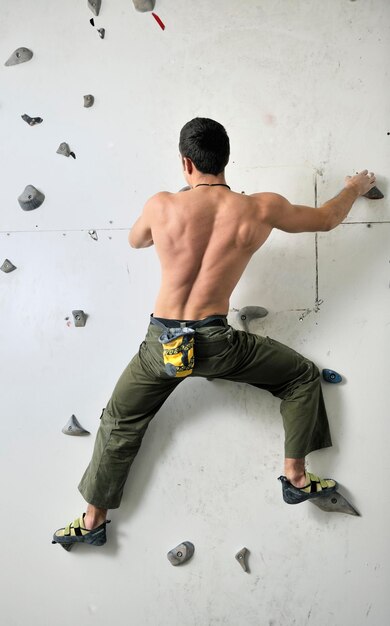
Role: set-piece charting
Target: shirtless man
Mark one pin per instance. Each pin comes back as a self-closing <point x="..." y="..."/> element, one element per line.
<point x="205" y="238"/>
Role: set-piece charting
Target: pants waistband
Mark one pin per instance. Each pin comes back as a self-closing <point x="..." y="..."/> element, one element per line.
<point x="211" y="320"/>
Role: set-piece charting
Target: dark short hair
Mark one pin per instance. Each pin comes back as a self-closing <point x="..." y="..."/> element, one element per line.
<point x="206" y="143"/>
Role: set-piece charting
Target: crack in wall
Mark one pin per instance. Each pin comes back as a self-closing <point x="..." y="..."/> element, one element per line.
<point x="318" y="301"/>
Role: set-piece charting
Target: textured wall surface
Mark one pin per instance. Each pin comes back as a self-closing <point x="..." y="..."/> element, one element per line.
<point x="302" y="88"/>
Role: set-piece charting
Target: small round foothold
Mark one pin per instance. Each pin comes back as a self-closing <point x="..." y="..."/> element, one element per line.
<point x="88" y="100"/>
<point x="101" y="32"/>
<point x="182" y="553"/>
<point x="330" y="376"/>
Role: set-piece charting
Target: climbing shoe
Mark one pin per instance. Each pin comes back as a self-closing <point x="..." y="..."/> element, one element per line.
<point x="75" y="532"/>
<point x="315" y="488"/>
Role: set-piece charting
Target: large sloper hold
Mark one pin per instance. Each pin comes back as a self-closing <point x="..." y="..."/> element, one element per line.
<point x="7" y="266"/>
<point x="182" y="553"/>
<point x="31" y="198"/>
<point x="335" y="503"/>
<point x="21" y="55"/>
<point x="74" y="428"/>
<point x="249" y="313"/>
<point x="144" y="5"/>
<point x="242" y="558"/>
<point x="374" y="194"/>
<point x="95" y="5"/>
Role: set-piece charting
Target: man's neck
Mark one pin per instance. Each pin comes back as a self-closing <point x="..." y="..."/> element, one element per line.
<point x="203" y="180"/>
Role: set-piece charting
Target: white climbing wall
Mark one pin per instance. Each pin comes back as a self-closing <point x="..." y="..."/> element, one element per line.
<point x="302" y="88"/>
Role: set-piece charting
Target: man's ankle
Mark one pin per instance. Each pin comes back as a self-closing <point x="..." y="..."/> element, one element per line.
<point x="94" y="517"/>
<point x="298" y="480"/>
<point x="295" y="471"/>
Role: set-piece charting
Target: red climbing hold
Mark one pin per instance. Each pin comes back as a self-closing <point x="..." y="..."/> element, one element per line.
<point x="159" y="22"/>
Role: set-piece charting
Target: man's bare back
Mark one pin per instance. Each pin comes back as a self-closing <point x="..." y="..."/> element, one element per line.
<point x="204" y="239"/>
<point x="206" y="236"/>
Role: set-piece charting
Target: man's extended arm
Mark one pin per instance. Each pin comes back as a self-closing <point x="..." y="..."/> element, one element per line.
<point x="140" y="235"/>
<point x="295" y="218"/>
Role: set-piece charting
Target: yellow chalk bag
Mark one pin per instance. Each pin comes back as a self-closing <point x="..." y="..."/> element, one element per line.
<point x="178" y="353"/>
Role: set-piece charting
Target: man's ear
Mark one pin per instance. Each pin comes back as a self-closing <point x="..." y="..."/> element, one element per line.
<point x="188" y="165"/>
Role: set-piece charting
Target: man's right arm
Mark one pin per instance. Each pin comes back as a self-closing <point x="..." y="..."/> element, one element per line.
<point x="294" y="218"/>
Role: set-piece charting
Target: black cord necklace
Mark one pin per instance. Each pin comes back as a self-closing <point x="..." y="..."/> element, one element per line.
<point x="211" y="185"/>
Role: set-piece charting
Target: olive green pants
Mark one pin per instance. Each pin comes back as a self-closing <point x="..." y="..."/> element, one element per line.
<point x="220" y="352"/>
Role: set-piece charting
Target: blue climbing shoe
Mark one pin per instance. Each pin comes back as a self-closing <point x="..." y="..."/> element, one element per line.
<point x="75" y="532"/>
<point x="315" y="488"/>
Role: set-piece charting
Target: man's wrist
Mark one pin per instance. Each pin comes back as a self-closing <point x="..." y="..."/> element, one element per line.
<point x="352" y="190"/>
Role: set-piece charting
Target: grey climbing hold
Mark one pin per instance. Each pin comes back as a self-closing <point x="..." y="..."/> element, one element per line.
<point x="88" y="100"/>
<point x="64" y="149"/>
<point x="335" y="503"/>
<point x="242" y="557"/>
<point x="79" y="318"/>
<point x="74" y="428"/>
<point x="93" y="234"/>
<point x="186" y="188"/>
<point x="249" y="313"/>
<point x="31" y="198"/>
<point x="7" y="266"/>
<point x="21" y="55"/>
<point x="31" y="121"/>
<point x="101" y="32"/>
<point x="181" y="553"/>
<point x="144" y="5"/>
<point x="95" y="5"/>
<point x="374" y="194"/>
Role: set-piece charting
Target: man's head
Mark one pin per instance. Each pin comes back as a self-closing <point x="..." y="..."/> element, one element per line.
<point x="206" y="144"/>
